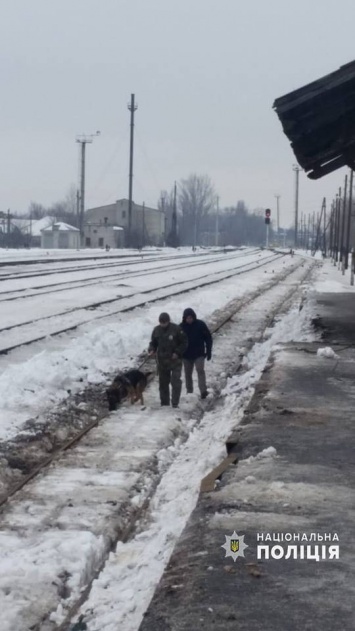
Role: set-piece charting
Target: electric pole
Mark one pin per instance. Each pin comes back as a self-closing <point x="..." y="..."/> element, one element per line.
<point x="174" y="220"/>
<point x="83" y="140"/>
<point x="297" y="170"/>
<point x="164" y="218"/>
<point x="325" y="228"/>
<point x="342" y="241"/>
<point x="347" y="247"/>
<point x="132" y="108"/>
<point x="217" y="220"/>
<point x="339" y="229"/>
<point x="278" y="212"/>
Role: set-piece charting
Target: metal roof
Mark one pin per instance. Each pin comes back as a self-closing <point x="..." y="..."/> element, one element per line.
<point x="319" y="121"/>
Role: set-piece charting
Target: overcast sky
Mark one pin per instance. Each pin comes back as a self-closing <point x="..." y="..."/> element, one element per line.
<point x="205" y="74"/>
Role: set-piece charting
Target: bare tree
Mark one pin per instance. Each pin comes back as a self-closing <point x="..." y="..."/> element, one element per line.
<point x="66" y="209"/>
<point x="166" y="203"/>
<point x="36" y="211"/>
<point x="239" y="226"/>
<point x="196" y="198"/>
<point x="71" y="200"/>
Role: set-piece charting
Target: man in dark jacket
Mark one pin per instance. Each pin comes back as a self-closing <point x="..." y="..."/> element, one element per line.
<point x="168" y="345"/>
<point x="199" y="348"/>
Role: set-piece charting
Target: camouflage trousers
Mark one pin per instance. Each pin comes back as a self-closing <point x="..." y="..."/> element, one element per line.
<point x="170" y="375"/>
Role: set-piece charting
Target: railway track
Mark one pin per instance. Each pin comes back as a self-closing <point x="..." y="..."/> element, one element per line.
<point x="126" y="531"/>
<point x="98" y="265"/>
<point x="216" y="323"/>
<point x="45" y="261"/>
<point x="94" y="280"/>
<point x="163" y="292"/>
<point x="89" y="257"/>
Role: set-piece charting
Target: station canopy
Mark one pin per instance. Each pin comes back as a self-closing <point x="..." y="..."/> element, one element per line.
<point x="319" y="121"/>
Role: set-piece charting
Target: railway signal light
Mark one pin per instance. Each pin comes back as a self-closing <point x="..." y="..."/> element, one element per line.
<point x="267" y="215"/>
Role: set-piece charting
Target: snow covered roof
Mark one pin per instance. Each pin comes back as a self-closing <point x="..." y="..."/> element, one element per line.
<point x="39" y="224"/>
<point x="60" y="226"/>
<point x="20" y="223"/>
<point x="34" y="226"/>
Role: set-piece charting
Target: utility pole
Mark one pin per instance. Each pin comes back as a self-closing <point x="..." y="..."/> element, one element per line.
<point x="77" y="204"/>
<point x="325" y="228"/>
<point x="278" y="212"/>
<point x="164" y="218"/>
<point x="342" y="244"/>
<point x="331" y="230"/>
<point x="297" y="170"/>
<point x="217" y="219"/>
<point x="132" y="106"/>
<point x="339" y="229"/>
<point x="174" y="220"/>
<point x="143" y="223"/>
<point x="83" y="140"/>
<point x="313" y="231"/>
<point x="347" y="247"/>
<point x="336" y="229"/>
<point x="318" y="243"/>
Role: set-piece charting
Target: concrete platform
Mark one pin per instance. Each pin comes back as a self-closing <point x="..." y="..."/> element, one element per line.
<point x="304" y="409"/>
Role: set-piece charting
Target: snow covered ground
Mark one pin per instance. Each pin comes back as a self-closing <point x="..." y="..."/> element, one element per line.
<point x="130" y="283"/>
<point x="35" y="254"/>
<point x="124" y="589"/>
<point x="59" y="528"/>
<point x="35" y="378"/>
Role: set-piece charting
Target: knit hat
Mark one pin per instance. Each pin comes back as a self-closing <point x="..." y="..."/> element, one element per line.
<point x="164" y="317"/>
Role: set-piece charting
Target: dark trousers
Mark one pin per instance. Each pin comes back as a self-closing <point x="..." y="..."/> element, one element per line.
<point x="189" y="365"/>
<point x="170" y="375"/>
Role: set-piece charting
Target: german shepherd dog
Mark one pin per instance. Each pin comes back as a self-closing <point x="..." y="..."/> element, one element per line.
<point x="129" y="384"/>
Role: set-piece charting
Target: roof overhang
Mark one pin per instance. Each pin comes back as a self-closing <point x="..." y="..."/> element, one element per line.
<point x="319" y="121"/>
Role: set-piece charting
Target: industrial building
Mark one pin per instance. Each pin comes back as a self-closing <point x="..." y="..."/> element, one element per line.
<point x="101" y="235"/>
<point x="148" y="225"/>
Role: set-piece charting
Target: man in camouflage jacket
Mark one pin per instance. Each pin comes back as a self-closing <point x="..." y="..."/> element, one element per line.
<point x="168" y="345"/>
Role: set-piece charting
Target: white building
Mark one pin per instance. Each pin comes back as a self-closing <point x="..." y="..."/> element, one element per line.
<point x="148" y="224"/>
<point x="60" y="235"/>
<point x="100" y="235"/>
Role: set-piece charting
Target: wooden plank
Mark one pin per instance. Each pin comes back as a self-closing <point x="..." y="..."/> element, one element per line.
<point x="208" y="483"/>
